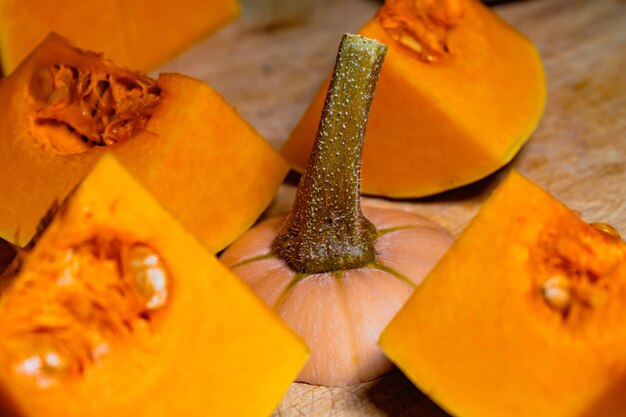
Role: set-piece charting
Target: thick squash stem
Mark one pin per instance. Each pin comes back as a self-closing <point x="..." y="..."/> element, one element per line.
<point x="326" y="230"/>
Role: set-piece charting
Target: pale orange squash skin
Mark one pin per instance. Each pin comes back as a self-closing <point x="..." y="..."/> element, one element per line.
<point x="210" y="342"/>
<point x="200" y="159"/>
<point x="137" y="34"/>
<point x="341" y="314"/>
<point x="437" y="126"/>
<point x="478" y="335"/>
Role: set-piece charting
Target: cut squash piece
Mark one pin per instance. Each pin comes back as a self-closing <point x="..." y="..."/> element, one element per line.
<point x="134" y="33"/>
<point x="118" y="311"/>
<point x="459" y="94"/>
<point x="63" y="107"/>
<point x="523" y="316"/>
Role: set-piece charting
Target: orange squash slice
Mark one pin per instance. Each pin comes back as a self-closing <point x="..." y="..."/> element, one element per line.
<point x="523" y="316"/>
<point x="118" y="311"/>
<point x="134" y="33"/>
<point x="63" y="107"/>
<point x="460" y="93"/>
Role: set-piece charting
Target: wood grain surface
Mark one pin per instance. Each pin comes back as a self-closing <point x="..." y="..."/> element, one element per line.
<point x="269" y="65"/>
<point x="271" y="61"/>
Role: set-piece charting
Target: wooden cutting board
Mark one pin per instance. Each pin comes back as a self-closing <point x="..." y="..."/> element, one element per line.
<point x="271" y="61"/>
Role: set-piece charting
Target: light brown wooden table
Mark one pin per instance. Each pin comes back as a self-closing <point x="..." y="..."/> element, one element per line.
<point x="270" y="67"/>
<point x="270" y="71"/>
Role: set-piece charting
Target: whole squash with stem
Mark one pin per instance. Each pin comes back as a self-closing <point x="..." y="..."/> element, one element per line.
<point x="337" y="274"/>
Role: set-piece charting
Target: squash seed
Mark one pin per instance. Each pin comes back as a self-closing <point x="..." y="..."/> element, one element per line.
<point x="607" y="228"/>
<point x="556" y="292"/>
<point x="148" y="275"/>
<point x="41" y="365"/>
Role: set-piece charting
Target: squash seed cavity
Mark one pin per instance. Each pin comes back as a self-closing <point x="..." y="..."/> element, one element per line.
<point x="574" y="269"/>
<point x="77" y="109"/>
<point x="422" y="26"/>
<point x="60" y="318"/>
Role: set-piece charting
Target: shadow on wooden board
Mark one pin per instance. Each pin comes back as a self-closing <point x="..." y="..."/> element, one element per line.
<point x="7" y="254"/>
<point x="478" y="190"/>
<point x="396" y="396"/>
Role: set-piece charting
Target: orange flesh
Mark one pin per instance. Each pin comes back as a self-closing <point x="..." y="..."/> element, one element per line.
<point x="441" y="123"/>
<point x="118" y="310"/>
<point x="184" y="142"/>
<point x="138" y="34"/>
<point x="528" y="304"/>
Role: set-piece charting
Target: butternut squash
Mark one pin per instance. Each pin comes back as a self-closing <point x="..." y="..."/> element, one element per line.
<point x="523" y="316"/>
<point x="460" y="93"/>
<point x="119" y="311"/>
<point x="63" y="107"/>
<point x="134" y="33"/>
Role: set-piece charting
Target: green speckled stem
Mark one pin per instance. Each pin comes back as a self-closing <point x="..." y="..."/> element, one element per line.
<point x="326" y="230"/>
